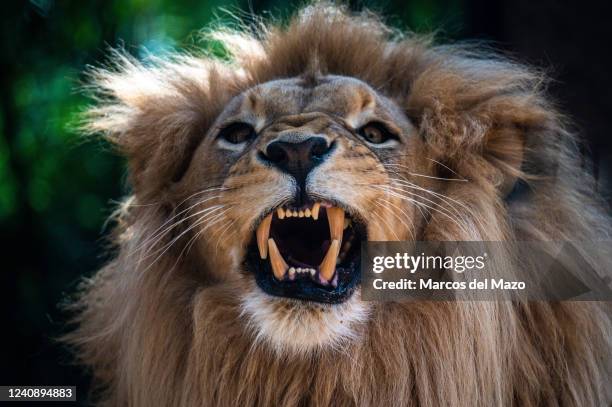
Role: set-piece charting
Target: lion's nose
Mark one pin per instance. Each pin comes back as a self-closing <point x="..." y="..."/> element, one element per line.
<point x="297" y="158"/>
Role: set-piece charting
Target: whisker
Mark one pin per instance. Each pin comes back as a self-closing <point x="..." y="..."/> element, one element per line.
<point x="159" y="232"/>
<point x="423" y="175"/>
<point x="226" y="227"/>
<point x="401" y="210"/>
<point x="167" y="247"/>
<point x="187" y="248"/>
<point x="405" y="198"/>
<point x="404" y="189"/>
<point x="386" y="224"/>
<point x="211" y="189"/>
<point x="454" y="219"/>
<point x="445" y="166"/>
<point x="445" y="199"/>
<point x="154" y="239"/>
<point x="437" y="194"/>
<point x="402" y="221"/>
<point x="197" y="223"/>
<point x="436" y="204"/>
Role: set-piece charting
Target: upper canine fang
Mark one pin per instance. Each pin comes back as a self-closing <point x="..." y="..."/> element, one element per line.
<point x="263" y="231"/>
<point x="335" y="217"/>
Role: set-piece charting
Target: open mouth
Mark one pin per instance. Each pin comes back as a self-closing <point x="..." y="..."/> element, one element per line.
<point x="310" y="253"/>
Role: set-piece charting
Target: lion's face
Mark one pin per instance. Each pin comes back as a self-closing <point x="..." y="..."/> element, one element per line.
<point x="303" y="171"/>
<point x="264" y="175"/>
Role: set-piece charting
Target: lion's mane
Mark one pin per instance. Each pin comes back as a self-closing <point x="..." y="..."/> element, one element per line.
<point x="167" y="336"/>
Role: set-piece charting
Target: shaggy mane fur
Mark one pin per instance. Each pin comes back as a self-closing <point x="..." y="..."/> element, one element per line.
<point x="168" y="333"/>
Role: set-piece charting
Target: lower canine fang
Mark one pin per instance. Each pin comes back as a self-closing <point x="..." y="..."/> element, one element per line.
<point x="328" y="265"/>
<point x="279" y="266"/>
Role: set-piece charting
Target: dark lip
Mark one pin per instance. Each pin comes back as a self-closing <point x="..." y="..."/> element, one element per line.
<point x="349" y="276"/>
<point x="349" y="279"/>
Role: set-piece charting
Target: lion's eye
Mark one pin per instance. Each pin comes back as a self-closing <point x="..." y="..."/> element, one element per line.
<point x="237" y="133"/>
<point x="376" y="133"/>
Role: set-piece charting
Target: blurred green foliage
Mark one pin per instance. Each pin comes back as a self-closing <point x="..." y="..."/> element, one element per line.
<point x="56" y="189"/>
<point x="48" y="61"/>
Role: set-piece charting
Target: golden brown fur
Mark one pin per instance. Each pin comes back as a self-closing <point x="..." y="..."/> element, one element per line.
<point x="172" y="321"/>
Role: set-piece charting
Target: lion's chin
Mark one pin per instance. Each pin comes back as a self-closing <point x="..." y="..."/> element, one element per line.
<point x="295" y="326"/>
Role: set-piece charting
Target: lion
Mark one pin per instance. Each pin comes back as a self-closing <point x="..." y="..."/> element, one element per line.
<point x="255" y="176"/>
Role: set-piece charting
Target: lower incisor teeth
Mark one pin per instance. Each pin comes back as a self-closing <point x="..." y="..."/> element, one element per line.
<point x="328" y="265"/>
<point x="279" y="266"/>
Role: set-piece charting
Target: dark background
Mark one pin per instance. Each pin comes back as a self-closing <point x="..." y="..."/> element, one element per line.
<point x="56" y="189"/>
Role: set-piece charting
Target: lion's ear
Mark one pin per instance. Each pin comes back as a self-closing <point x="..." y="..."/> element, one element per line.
<point x="521" y="124"/>
<point x="470" y="102"/>
<point x="155" y="115"/>
<point x="505" y="149"/>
